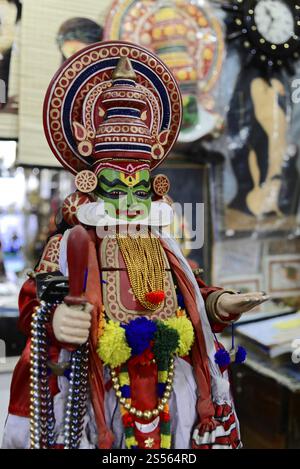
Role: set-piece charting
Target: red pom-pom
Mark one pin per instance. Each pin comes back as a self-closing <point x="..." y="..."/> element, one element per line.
<point x="155" y="297"/>
<point x="144" y="358"/>
<point x="165" y="417"/>
<point x="128" y="420"/>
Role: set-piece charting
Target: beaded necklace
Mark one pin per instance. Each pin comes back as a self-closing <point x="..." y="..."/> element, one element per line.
<point x="121" y="385"/>
<point x="145" y="265"/>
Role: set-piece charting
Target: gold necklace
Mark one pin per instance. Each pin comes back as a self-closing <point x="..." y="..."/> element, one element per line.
<point x="145" y="265"/>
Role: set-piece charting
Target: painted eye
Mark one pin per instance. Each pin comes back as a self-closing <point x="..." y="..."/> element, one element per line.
<point x="117" y="193"/>
<point x="141" y="194"/>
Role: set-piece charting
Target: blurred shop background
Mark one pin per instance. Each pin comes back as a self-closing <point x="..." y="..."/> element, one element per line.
<point x="238" y="67"/>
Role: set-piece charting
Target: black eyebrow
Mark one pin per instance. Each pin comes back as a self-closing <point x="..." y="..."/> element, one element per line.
<point x="118" y="182"/>
<point x="115" y="182"/>
<point x="144" y="183"/>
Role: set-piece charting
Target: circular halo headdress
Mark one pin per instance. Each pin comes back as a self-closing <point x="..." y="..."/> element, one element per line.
<point x="112" y="104"/>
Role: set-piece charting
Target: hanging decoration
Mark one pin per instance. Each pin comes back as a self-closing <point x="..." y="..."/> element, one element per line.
<point x="237" y="355"/>
<point x="188" y="37"/>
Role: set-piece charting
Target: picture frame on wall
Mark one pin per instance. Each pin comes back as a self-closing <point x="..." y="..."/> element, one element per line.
<point x="189" y="189"/>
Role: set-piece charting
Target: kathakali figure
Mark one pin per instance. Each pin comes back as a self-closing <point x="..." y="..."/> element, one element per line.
<point x="121" y="351"/>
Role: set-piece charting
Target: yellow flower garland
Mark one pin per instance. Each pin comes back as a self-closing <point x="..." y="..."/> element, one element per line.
<point x="114" y="350"/>
<point x="112" y="346"/>
<point x="185" y="331"/>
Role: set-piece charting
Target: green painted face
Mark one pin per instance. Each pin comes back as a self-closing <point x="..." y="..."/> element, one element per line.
<point x="125" y="197"/>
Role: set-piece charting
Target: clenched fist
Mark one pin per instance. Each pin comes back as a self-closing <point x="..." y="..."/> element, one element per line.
<point x="71" y="324"/>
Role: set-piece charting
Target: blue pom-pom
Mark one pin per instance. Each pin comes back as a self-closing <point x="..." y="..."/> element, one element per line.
<point x="222" y="357"/>
<point x="161" y="389"/>
<point x="126" y="391"/>
<point x="180" y="300"/>
<point x="240" y="355"/>
<point x="139" y="334"/>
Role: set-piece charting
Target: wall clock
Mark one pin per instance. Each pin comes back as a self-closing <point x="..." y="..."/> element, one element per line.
<point x="268" y="30"/>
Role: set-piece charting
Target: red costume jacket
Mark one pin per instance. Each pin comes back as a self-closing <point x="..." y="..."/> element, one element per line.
<point x="20" y="386"/>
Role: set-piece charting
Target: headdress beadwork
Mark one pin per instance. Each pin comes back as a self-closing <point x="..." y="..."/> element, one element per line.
<point x="113" y="104"/>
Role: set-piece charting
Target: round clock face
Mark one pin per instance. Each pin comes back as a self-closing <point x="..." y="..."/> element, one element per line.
<point x="274" y="20"/>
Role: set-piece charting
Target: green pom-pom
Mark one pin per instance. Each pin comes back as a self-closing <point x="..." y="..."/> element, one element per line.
<point x="112" y="346"/>
<point x="166" y="341"/>
<point x="185" y="331"/>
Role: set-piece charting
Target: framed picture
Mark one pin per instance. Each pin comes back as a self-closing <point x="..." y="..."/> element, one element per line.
<point x="190" y="193"/>
<point x="237" y="259"/>
<point x="282" y="274"/>
<point x="260" y="175"/>
<point x="242" y="284"/>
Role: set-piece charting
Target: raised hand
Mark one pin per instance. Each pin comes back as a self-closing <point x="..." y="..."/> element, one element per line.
<point x="235" y="305"/>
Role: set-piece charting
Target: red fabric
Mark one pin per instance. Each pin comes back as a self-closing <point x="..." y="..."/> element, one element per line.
<point x="205" y="291"/>
<point x="96" y="378"/>
<point x="205" y="406"/>
<point x="143" y="383"/>
<point x="27" y="303"/>
<point x="226" y="419"/>
<point x="20" y="396"/>
<point x="20" y="387"/>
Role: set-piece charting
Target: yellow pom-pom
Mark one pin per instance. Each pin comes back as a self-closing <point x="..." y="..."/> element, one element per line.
<point x="185" y="331"/>
<point x="162" y="376"/>
<point x="124" y="379"/>
<point x="165" y="441"/>
<point x="112" y="346"/>
<point x="131" y="441"/>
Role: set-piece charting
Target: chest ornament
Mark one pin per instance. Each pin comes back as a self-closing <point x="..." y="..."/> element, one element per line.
<point x="145" y="265"/>
<point x="137" y="280"/>
<point x="146" y="342"/>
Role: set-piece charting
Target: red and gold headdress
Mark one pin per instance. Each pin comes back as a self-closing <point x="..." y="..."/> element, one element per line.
<point x="113" y="104"/>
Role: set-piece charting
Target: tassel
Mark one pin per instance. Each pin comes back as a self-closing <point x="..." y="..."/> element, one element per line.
<point x="240" y="352"/>
<point x="155" y="297"/>
<point x="241" y="355"/>
<point x="222" y="358"/>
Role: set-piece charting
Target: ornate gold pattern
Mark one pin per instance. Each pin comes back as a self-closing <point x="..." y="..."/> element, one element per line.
<point x="86" y="181"/>
<point x="60" y="142"/>
<point x="50" y="258"/>
<point x="113" y="294"/>
<point x="145" y="266"/>
<point x="161" y="185"/>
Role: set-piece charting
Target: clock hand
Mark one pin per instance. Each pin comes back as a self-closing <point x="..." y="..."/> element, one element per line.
<point x="269" y="13"/>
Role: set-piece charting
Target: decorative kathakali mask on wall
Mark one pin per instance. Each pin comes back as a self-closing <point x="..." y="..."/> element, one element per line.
<point x="188" y="37"/>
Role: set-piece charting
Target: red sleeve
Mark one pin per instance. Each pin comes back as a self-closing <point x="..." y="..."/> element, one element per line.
<point x="205" y="291"/>
<point x="27" y="302"/>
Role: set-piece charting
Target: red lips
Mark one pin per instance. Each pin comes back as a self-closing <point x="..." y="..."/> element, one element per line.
<point x="129" y="213"/>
